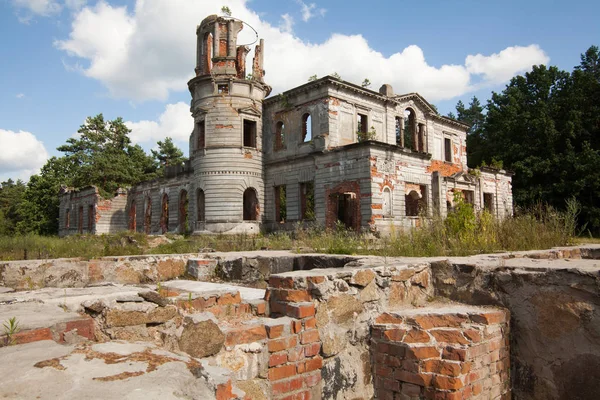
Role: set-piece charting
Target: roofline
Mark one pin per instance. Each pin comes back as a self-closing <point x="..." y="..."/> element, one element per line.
<point x="328" y="79"/>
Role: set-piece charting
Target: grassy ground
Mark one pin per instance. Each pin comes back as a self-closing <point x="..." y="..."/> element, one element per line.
<point x="462" y="233"/>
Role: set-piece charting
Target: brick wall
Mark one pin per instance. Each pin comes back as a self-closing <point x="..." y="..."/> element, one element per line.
<point x="454" y="353"/>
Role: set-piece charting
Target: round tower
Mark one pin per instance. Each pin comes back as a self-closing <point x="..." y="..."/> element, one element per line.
<point x="226" y="144"/>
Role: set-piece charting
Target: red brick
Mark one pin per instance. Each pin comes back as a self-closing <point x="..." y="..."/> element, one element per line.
<point x="440" y="321"/>
<point x="489" y="318"/>
<point x="313" y="364"/>
<point x="34" y="335"/>
<point x="282" y="344"/>
<point x="260" y="308"/>
<point x="451" y="353"/>
<point x="382" y="348"/>
<point x="449" y="336"/>
<point x="277" y="359"/>
<point x="296" y="354"/>
<point x="473" y="335"/>
<point x="386" y="318"/>
<point x="316" y="279"/>
<point x="447" y="383"/>
<point x="421" y="353"/>
<point x="410" y="377"/>
<point x="398" y="350"/>
<point x="281" y="282"/>
<point x="391" y="384"/>
<point x="309" y="336"/>
<point x="442" y="367"/>
<point x="410" y="365"/>
<point x="84" y="327"/>
<point x="310" y="323"/>
<point x="229" y="298"/>
<point x="300" y="310"/>
<point x="300" y="368"/>
<point x="382" y="370"/>
<point x="477" y="388"/>
<point x="274" y="331"/>
<point x="417" y="336"/>
<point x="245" y="335"/>
<point x="312" y="379"/>
<point x="411" y="390"/>
<point x="312" y="349"/>
<point x="296" y="326"/>
<point x="287" y="386"/>
<point x="283" y="372"/>
<point x="298" y="396"/>
<point x="395" y="335"/>
<point x="296" y="296"/>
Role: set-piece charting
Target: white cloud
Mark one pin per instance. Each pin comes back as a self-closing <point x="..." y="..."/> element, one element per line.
<point x="287" y="23"/>
<point x="309" y="10"/>
<point x="39" y="7"/>
<point x="22" y="154"/>
<point x="502" y="66"/>
<point x="175" y="122"/>
<point x="148" y="52"/>
<point x="20" y="96"/>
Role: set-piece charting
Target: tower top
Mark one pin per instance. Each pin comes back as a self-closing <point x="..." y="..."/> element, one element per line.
<point x="218" y="53"/>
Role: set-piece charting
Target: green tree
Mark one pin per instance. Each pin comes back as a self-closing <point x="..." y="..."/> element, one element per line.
<point x="11" y="196"/>
<point x="105" y="157"/>
<point x="473" y="116"/>
<point x="168" y="154"/>
<point x="39" y="208"/>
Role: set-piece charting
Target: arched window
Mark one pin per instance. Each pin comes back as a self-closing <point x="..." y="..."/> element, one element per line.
<point x="387" y="202"/>
<point x="148" y="215"/>
<point x="200" y="206"/>
<point x="399" y="137"/>
<point x="207" y="48"/>
<point x="164" y="214"/>
<point x="183" y="211"/>
<point x="412" y="204"/>
<point x="251" y="205"/>
<point x="279" y="136"/>
<point x="306" y="128"/>
<point x="132" y="216"/>
<point x="410" y="129"/>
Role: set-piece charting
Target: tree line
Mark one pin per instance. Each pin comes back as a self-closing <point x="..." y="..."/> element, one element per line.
<point x="545" y="127"/>
<point x="101" y="154"/>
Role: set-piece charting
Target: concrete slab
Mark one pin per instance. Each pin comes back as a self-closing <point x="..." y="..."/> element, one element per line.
<point x="247" y="294"/>
<point x="114" y="370"/>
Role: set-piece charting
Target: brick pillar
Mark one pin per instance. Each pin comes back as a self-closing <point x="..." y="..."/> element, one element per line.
<point x="450" y="353"/>
<point x="293" y="342"/>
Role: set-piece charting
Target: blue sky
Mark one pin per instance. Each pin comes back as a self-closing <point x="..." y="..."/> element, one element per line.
<point x="64" y="60"/>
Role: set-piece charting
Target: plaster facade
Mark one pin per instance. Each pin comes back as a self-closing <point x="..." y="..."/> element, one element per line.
<point x="326" y="152"/>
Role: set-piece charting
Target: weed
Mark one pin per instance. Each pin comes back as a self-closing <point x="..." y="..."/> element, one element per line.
<point x="10" y="328"/>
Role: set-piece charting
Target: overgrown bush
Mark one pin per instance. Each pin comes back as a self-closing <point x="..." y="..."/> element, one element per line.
<point x="463" y="232"/>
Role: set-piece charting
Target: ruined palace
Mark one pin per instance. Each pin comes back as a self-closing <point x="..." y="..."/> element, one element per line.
<point x="328" y="151"/>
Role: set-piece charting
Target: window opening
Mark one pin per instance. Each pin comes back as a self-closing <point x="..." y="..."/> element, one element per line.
<point x="183" y="211"/>
<point x="201" y="131"/>
<point x="132" y="216"/>
<point x="488" y="202"/>
<point x="306" y="128"/>
<point x="249" y="133"/>
<point x="80" y="220"/>
<point x="91" y="218"/>
<point x="251" y="206"/>
<point x="164" y="214"/>
<point x="223" y="88"/>
<point x="410" y="127"/>
<point x="387" y="202"/>
<point x="399" y="137"/>
<point x="447" y="150"/>
<point x="280" y="203"/>
<point x="307" y="200"/>
<point x="148" y="215"/>
<point x="200" y="205"/>
<point x="279" y="136"/>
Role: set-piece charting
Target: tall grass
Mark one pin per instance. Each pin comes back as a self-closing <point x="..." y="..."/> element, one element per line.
<point x="462" y="233"/>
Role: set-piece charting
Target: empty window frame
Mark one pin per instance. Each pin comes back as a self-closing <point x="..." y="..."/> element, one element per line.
<point x="447" y="150"/>
<point x="469" y="196"/>
<point x="223" y="88"/>
<point x="201" y="134"/>
<point x="362" y="123"/>
<point x="68" y="219"/>
<point x="279" y="136"/>
<point x="251" y="208"/>
<point x="200" y="206"/>
<point x="410" y="129"/>
<point x="249" y="133"/>
<point x="415" y="202"/>
<point x="280" y="203"/>
<point x="307" y="201"/>
<point x="399" y="138"/>
<point x="488" y="202"/>
<point x="80" y="220"/>
<point x="306" y="128"/>
<point x="91" y="218"/>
